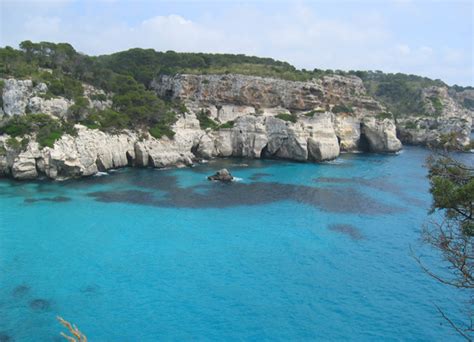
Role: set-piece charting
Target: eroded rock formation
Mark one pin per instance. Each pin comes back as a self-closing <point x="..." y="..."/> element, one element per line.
<point x="265" y="118"/>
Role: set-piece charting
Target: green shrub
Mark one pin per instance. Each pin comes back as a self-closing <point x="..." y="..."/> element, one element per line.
<point x="342" y="108"/>
<point x="205" y="121"/>
<point x="15" y="127"/>
<point x="47" y="129"/>
<point x="2" y="85"/>
<point x="48" y="136"/>
<point x="314" y="111"/>
<point x="80" y="108"/>
<point x="163" y="126"/>
<point x="15" y="144"/>
<point x="98" y="97"/>
<point x="228" y="124"/>
<point x="384" y="115"/>
<point x="437" y="105"/>
<point x="47" y="96"/>
<point x="3" y="150"/>
<point x="411" y="125"/>
<point x="159" y="130"/>
<point x="65" y="86"/>
<point x="106" y="120"/>
<point x="182" y="108"/>
<point x="287" y="117"/>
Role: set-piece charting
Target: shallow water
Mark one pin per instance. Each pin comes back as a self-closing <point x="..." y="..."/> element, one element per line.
<point x="291" y="251"/>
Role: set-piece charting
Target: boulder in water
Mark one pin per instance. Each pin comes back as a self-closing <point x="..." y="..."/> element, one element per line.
<point x="222" y="175"/>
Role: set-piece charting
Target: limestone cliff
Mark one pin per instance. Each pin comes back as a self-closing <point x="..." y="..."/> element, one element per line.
<point x="261" y="118"/>
<point x="23" y="96"/>
<point x="447" y="121"/>
<point x="329" y="111"/>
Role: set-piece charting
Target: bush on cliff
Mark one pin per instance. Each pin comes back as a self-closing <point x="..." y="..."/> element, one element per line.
<point x="163" y="126"/>
<point x="287" y="117"/>
<point x="205" y="121"/>
<point x="107" y="120"/>
<point x="228" y="124"/>
<point x="342" y="108"/>
<point x="46" y="128"/>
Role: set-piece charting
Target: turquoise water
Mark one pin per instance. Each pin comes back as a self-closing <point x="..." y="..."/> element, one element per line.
<point x="289" y="252"/>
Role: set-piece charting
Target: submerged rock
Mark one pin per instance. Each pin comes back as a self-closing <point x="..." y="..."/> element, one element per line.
<point x="222" y="175"/>
<point x="40" y="304"/>
<point x="20" y="291"/>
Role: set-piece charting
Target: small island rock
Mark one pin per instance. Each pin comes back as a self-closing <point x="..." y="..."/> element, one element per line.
<point x="222" y="175"/>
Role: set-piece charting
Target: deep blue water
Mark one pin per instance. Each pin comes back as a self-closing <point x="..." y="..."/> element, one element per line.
<point x="290" y="252"/>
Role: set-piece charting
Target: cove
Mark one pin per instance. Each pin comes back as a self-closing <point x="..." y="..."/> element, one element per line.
<point x="291" y="251"/>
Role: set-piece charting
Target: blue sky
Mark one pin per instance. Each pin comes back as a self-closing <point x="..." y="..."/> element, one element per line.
<point x="429" y="38"/>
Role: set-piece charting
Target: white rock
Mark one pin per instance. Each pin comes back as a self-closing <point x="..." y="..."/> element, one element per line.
<point x="381" y="135"/>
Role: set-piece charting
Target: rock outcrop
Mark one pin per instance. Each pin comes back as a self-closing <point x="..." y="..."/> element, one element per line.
<point x="222" y="175"/>
<point x="263" y="117"/>
<point x="381" y="135"/>
<point x="329" y="114"/>
<point x="22" y="96"/>
<point x="448" y="123"/>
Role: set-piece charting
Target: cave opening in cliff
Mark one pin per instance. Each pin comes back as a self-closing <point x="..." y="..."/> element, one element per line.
<point x="265" y="154"/>
<point x="364" y="145"/>
<point x="130" y="159"/>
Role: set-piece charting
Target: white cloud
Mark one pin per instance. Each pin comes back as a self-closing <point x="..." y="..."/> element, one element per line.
<point x="43" y="26"/>
<point x="403" y="49"/>
<point x="302" y="35"/>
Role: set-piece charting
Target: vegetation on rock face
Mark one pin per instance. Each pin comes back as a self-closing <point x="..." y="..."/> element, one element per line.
<point x="384" y="115"/>
<point x="128" y="75"/>
<point x="411" y="125"/>
<point x="163" y="126"/>
<point x="205" y="121"/>
<point x="400" y="93"/>
<point x="64" y="70"/>
<point x="17" y="145"/>
<point x="437" y="105"/>
<point x="2" y="85"/>
<point x="107" y="120"/>
<point x="314" y="111"/>
<point x="341" y="108"/>
<point x="287" y="117"/>
<point x="228" y="124"/>
<point x="46" y="128"/>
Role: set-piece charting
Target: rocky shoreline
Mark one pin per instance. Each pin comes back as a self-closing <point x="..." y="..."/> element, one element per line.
<point x="255" y="117"/>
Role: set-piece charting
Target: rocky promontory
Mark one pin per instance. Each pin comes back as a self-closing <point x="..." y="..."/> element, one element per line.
<point x="253" y="117"/>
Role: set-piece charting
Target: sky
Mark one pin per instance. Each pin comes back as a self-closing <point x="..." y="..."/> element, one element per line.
<point x="428" y="38"/>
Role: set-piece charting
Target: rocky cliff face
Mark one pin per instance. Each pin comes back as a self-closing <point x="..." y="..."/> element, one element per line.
<point x="92" y="151"/>
<point x="330" y="112"/>
<point x="249" y="94"/>
<point x="447" y="121"/>
<point x="22" y="96"/>
<point x="322" y="118"/>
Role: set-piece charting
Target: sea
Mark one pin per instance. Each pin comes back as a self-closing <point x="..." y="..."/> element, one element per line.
<point x="287" y="252"/>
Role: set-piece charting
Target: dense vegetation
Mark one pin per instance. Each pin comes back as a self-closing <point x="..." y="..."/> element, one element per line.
<point x="128" y="74"/>
<point x="46" y="128"/>
<point x="401" y="93"/>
